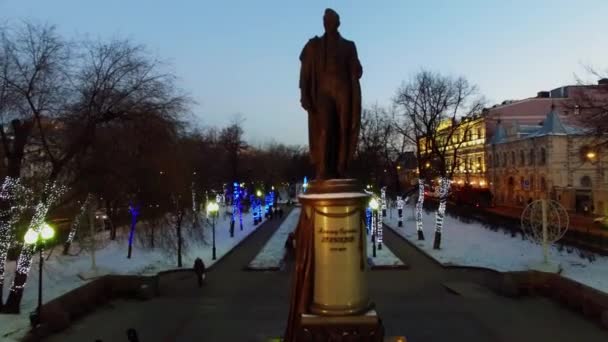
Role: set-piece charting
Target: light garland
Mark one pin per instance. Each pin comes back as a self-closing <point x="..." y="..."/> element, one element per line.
<point x="444" y="188"/>
<point x="383" y="201"/>
<point x="419" y="203"/>
<point x="400" y="204"/>
<point x="368" y="220"/>
<point x="24" y="263"/>
<point x="134" y="211"/>
<point x="10" y="192"/>
<point x="77" y="219"/>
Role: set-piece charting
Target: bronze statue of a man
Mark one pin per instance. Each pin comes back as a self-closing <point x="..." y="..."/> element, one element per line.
<point x="331" y="94"/>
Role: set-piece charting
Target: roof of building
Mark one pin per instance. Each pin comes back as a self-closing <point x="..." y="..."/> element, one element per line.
<point x="500" y="135"/>
<point x="551" y="125"/>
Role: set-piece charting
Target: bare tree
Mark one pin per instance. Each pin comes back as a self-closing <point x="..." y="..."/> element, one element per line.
<point x="70" y="95"/>
<point x="590" y="104"/>
<point x="231" y="139"/>
<point x="431" y="106"/>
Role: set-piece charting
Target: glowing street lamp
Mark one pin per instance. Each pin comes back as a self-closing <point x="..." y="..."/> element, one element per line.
<point x="38" y="238"/>
<point x="591" y="155"/>
<point x="212" y="210"/>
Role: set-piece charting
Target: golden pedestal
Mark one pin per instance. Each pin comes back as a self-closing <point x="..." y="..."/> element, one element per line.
<point x="337" y="210"/>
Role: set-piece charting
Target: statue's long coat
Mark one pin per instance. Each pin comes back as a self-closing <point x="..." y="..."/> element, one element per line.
<point x="313" y="59"/>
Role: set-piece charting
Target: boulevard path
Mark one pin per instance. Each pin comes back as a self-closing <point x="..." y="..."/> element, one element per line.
<point x="252" y="306"/>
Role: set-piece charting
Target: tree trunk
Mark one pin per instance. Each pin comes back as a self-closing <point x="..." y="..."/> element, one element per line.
<point x="444" y="189"/>
<point x="50" y="196"/>
<point x="420" y="202"/>
<point x="110" y="211"/>
<point x="14" y="156"/>
<point x="134" y="212"/>
<point x="180" y="216"/>
<point x="75" y="225"/>
<point x="92" y="208"/>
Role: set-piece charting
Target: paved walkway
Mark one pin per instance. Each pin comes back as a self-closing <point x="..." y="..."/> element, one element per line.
<point x="252" y="306"/>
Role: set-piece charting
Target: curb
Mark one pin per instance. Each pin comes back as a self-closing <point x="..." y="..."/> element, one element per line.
<point x="390" y="267"/>
<point x="262" y="269"/>
<point x="437" y="262"/>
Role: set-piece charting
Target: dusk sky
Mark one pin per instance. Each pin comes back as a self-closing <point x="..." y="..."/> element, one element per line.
<point x="242" y="56"/>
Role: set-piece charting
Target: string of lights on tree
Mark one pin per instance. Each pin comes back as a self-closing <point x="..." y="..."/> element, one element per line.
<point x="24" y="263"/>
<point x="14" y="193"/>
<point x="444" y="188"/>
<point x="76" y="222"/>
<point x="400" y="205"/>
<point x="383" y="201"/>
<point x="419" y="204"/>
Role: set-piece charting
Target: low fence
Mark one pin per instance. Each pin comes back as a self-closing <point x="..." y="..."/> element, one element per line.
<point x="592" y="303"/>
<point x="59" y="313"/>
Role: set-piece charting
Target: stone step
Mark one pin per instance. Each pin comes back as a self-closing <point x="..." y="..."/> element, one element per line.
<point x="386" y="339"/>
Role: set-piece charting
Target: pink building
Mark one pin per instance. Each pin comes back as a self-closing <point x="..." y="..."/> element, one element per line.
<point x="533" y="110"/>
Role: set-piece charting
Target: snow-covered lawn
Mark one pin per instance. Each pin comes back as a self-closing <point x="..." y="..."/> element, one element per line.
<point x="61" y="272"/>
<point x="470" y="244"/>
<point x="271" y="255"/>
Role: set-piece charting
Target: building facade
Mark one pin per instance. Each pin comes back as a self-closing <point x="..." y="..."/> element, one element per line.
<point x="553" y="160"/>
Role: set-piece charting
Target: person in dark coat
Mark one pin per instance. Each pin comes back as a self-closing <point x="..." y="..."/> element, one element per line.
<point x="199" y="269"/>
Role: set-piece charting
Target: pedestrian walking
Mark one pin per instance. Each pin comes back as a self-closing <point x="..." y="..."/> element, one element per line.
<point x="199" y="269"/>
<point x="132" y="335"/>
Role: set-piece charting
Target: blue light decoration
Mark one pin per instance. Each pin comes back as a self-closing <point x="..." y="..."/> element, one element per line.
<point x="267" y="205"/>
<point x="242" y="194"/>
<point x="368" y="220"/>
<point x="235" y="206"/>
<point x="305" y="184"/>
<point x="134" y="211"/>
<point x="252" y="208"/>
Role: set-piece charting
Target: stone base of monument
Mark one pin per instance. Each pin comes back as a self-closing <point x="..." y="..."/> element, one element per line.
<point x="366" y="327"/>
<point x="547" y="267"/>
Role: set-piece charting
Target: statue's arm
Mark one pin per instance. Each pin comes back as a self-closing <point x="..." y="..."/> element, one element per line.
<point x="305" y="77"/>
<point x="355" y="64"/>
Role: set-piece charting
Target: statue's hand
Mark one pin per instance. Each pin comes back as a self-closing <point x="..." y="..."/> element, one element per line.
<point x="306" y="103"/>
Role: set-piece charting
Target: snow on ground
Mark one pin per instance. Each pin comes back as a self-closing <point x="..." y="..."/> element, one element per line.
<point x="60" y="273"/>
<point x="271" y="255"/>
<point x="470" y="244"/>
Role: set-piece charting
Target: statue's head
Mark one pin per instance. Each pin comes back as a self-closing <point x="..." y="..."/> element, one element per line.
<point x="331" y="20"/>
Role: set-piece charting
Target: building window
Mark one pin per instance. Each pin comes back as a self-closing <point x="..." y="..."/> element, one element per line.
<point x="504" y="159"/>
<point x="586" y="182"/>
<point x="490" y="160"/>
<point x="522" y="182"/>
<point x="532" y="183"/>
<point x="532" y="157"/>
<point x="577" y="110"/>
<point x="512" y="158"/>
<point x="543" y="184"/>
<point x="522" y="158"/>
<point x="479" y="133"/>
<point x="479" y="165"/>
<point x="543" y="156"/>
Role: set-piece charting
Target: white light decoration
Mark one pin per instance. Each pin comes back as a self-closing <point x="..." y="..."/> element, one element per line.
<point x="444" y="188"/>
<point x="18" y="198"/>
<point x="419" y="204"/>
<point x="52" y="192"/>
<point x="400" y="204"/>
<point x="76" y="222"/>
<point x="383" y="201"/>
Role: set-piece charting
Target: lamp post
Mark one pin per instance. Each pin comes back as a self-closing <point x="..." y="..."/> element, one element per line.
<point x="373" y="204"/>
<point x="38" y="238"/>
<point x="212" y="209"/>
